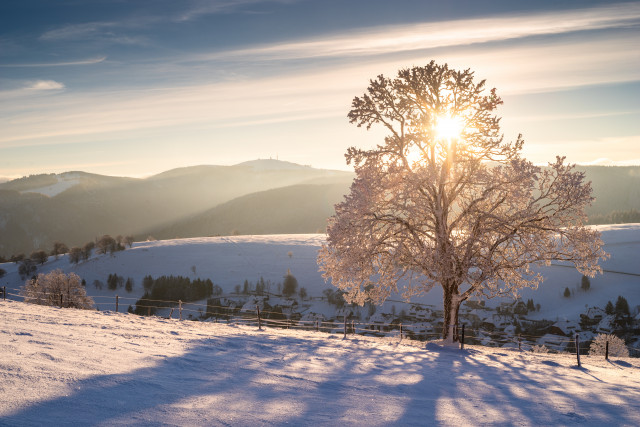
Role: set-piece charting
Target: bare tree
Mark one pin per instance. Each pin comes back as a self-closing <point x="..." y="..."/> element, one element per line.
<point x="39" y="256"/>
<point x="106" y="244"/>
<point x="75" y="255"/>
<point x="57" y="289"/>
<point x="445" y="201"/>
<point x="86" y="250"/>
<point x="59" y="248"/>
<point x="128" y="240"/>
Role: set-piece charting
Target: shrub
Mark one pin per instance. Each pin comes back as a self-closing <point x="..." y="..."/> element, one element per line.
<point x="617" y="347"/>
<point x="540" y="349"/>
<point x="57" y="289"/>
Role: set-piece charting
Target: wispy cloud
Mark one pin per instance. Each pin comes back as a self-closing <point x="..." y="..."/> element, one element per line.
<point x="403" y="38"/>
<point x="208" y="7"/>
<point x="88" y="61"/>
<point x="45" y="85"/>
<point x="105" y="31"/>
<point x="75" y="31"/>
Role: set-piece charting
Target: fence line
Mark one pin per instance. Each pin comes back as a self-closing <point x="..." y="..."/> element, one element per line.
<point x="238" y="315"/>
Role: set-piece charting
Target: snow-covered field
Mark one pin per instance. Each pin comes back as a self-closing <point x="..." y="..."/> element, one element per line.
<point x="75" y="367"/>
<point x="229" y="260"/>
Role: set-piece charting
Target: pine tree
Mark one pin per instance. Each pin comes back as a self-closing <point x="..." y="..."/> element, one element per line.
<point x="567" y="293"/>
<point x="609" y="308"/>
<point x="622" y="307"/>
<point x="129" y="285"/>
<point x="585" y="283"/>
<point x="530" y="305"/>
<point x="290" y="284"/>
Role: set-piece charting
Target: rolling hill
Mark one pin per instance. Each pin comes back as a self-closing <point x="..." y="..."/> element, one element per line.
<point x="76" y="207"/>
<point x="255" y="197"/>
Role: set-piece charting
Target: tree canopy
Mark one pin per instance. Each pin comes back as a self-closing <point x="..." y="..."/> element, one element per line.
<point x="444" y="200"/>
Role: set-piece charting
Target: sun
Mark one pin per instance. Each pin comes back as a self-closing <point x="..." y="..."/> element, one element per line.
<point x="448" y="127"/>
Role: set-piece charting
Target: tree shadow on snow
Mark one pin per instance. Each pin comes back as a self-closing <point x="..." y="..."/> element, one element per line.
<point x="271" y="380"/>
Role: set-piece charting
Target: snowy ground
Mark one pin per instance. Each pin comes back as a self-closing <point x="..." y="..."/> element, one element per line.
<point x="65" y="366"/>
<point x="229" y="260"/>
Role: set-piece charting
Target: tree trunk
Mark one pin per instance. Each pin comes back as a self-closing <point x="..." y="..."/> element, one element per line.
<point x="452" y="303"/>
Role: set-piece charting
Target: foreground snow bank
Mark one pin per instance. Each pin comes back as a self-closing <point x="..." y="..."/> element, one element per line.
<point x="84" y="367"/>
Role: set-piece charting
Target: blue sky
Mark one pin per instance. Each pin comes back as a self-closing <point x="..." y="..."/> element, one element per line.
<point x="138" y="87"/>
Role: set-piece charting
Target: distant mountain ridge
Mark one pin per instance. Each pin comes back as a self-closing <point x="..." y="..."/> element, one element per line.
<point x="97" y="205"/>
<point x="256" y="197"/>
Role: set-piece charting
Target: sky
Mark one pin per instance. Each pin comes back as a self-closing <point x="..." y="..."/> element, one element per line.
<point x="136" y="88"/>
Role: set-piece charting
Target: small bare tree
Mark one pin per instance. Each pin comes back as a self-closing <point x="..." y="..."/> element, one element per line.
<point x="617" y="347"/>
<point x="57" y="289"/>
<point x="446" y="201"/>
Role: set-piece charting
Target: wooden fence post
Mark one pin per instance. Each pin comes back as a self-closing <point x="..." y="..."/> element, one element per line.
<point x="606" y="350"/>
<point x="259" y="321"/>
<point x="400" y="330"/>
<point x="345" y="326"/>
<point x="4" y="293"/>
<point x="171" y="313"/>
<point x="353" y="327"/>
<point x="180" y="308"/>
<point x="60" y="300"/>
<point x="317" y="325"/>
<point x="148" y="310"/>
<point x="578" y="348"/>
<point x="519" y="343"/>
<point x="116" y="303"/>
<point x="462" y="339"/>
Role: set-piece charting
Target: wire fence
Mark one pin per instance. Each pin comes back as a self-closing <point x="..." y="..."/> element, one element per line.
<point x="240" y="314"/>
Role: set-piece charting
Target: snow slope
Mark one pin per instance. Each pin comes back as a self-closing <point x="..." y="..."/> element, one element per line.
<point x="228" y="261"/>
<point x="65" y="182"/>
<point x="66" y="366"/>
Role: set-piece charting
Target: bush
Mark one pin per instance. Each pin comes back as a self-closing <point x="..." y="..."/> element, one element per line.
<point x="617" y="347"/>
<point x="2" y="272"/>
<point x="567" y="293"/>
<point x="57" y="289"/>
<point x="585" y="283"/>
<point x="540" y="349"/>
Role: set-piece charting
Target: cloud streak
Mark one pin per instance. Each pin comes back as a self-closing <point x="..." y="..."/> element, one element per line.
<point x="45" y="85"/>
<point x="209" y="7"/>
<point x="413" y="37"/>
<point x="88" y="61"/>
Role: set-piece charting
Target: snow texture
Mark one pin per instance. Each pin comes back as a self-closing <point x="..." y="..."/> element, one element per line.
<point x="78" y="367"/>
